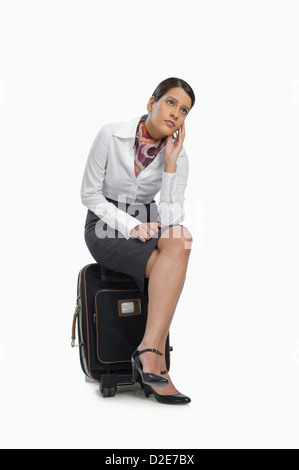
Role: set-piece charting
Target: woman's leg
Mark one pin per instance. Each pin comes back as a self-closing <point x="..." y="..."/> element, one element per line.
<point x="162" y="359"/>
<point x="166" y="279"/>
<point x="171" y="390"/>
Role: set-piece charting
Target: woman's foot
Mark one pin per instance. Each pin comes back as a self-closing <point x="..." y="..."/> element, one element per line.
<point x="152" y="363"/>
<point x="169" y="389"/>
<point x="177" y="399"/>
<point x="147" y="377"/>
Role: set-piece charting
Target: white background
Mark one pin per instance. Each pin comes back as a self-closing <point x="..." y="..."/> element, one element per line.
<point x="67" y="68"/>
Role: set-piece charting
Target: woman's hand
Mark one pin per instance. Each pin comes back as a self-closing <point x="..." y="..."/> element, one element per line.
<point x="145" y="231"/>
<point x="173" y="149"/>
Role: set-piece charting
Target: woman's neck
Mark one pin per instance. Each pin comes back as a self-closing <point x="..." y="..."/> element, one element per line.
<point x="152" y="131"/>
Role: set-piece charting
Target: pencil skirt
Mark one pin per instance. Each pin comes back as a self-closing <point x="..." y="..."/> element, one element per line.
<point x="113" y="251"/>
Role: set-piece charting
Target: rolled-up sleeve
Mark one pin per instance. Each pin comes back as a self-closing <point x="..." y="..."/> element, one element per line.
<point x="172" y="196"/>
<point x="92" y="184"/>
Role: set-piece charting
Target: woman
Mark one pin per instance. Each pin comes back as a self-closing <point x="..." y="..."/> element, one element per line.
<point x="128" y="164"/>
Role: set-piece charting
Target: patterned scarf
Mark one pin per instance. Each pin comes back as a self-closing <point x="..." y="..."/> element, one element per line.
<point x="146" y="148"/>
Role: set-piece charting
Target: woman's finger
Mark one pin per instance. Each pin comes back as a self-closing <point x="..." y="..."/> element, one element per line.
<point x="145" y="233"/>
<point x="154" y="226"/>
<point x="152" y="232"/>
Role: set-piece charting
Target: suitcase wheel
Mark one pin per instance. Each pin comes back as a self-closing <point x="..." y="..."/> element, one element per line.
<point x="107" y="391"/>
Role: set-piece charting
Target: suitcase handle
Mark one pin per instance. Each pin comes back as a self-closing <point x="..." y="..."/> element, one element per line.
<point x="76" y="314"/>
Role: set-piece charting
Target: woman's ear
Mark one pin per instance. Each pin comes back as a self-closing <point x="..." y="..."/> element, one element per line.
<point x="150" y="104"/>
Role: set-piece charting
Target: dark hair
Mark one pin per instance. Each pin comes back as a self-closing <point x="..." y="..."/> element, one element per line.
<point x="173" y="82"/>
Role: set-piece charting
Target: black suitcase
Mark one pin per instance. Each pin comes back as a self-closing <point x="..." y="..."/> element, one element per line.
<point x="111" y="315"/>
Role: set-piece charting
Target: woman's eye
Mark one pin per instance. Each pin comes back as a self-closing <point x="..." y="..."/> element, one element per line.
<point x="185" y="111"/>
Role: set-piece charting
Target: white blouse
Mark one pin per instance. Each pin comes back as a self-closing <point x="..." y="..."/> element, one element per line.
<point x="109" y="172"/>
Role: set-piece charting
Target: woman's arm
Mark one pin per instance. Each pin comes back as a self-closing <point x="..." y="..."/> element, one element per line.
<point x="92" y="183"/>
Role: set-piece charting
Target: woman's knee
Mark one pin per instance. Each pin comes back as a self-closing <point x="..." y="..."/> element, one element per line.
<point x="177" y="238"/>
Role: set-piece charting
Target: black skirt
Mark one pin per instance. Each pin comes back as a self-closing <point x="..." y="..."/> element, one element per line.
<point x="113" y="251"/>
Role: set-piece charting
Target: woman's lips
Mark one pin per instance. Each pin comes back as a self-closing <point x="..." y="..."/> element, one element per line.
<point x="169" y="123"/>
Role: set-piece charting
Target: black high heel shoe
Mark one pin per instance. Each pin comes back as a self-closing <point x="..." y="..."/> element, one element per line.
<point x="146" y="377"/>
<point x="178" y="399"/>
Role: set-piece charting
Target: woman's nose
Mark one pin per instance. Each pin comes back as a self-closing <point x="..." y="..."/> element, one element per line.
<point x="174" y="113"/>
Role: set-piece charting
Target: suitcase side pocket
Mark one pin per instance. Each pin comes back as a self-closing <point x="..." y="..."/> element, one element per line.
<point x="120" y="320"/>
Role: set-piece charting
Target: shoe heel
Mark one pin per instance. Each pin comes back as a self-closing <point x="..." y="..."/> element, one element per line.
<point x="147" y="391"/>
<point x="135" y="372"/>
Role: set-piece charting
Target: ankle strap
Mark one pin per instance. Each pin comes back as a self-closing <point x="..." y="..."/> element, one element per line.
<point x="149" y="350"/>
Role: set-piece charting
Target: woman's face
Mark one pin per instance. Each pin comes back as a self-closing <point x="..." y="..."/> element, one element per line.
<point x="173" y="107"/>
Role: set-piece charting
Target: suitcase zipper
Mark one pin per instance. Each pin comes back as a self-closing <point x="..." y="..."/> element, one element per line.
<point x="81" y="344"/>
